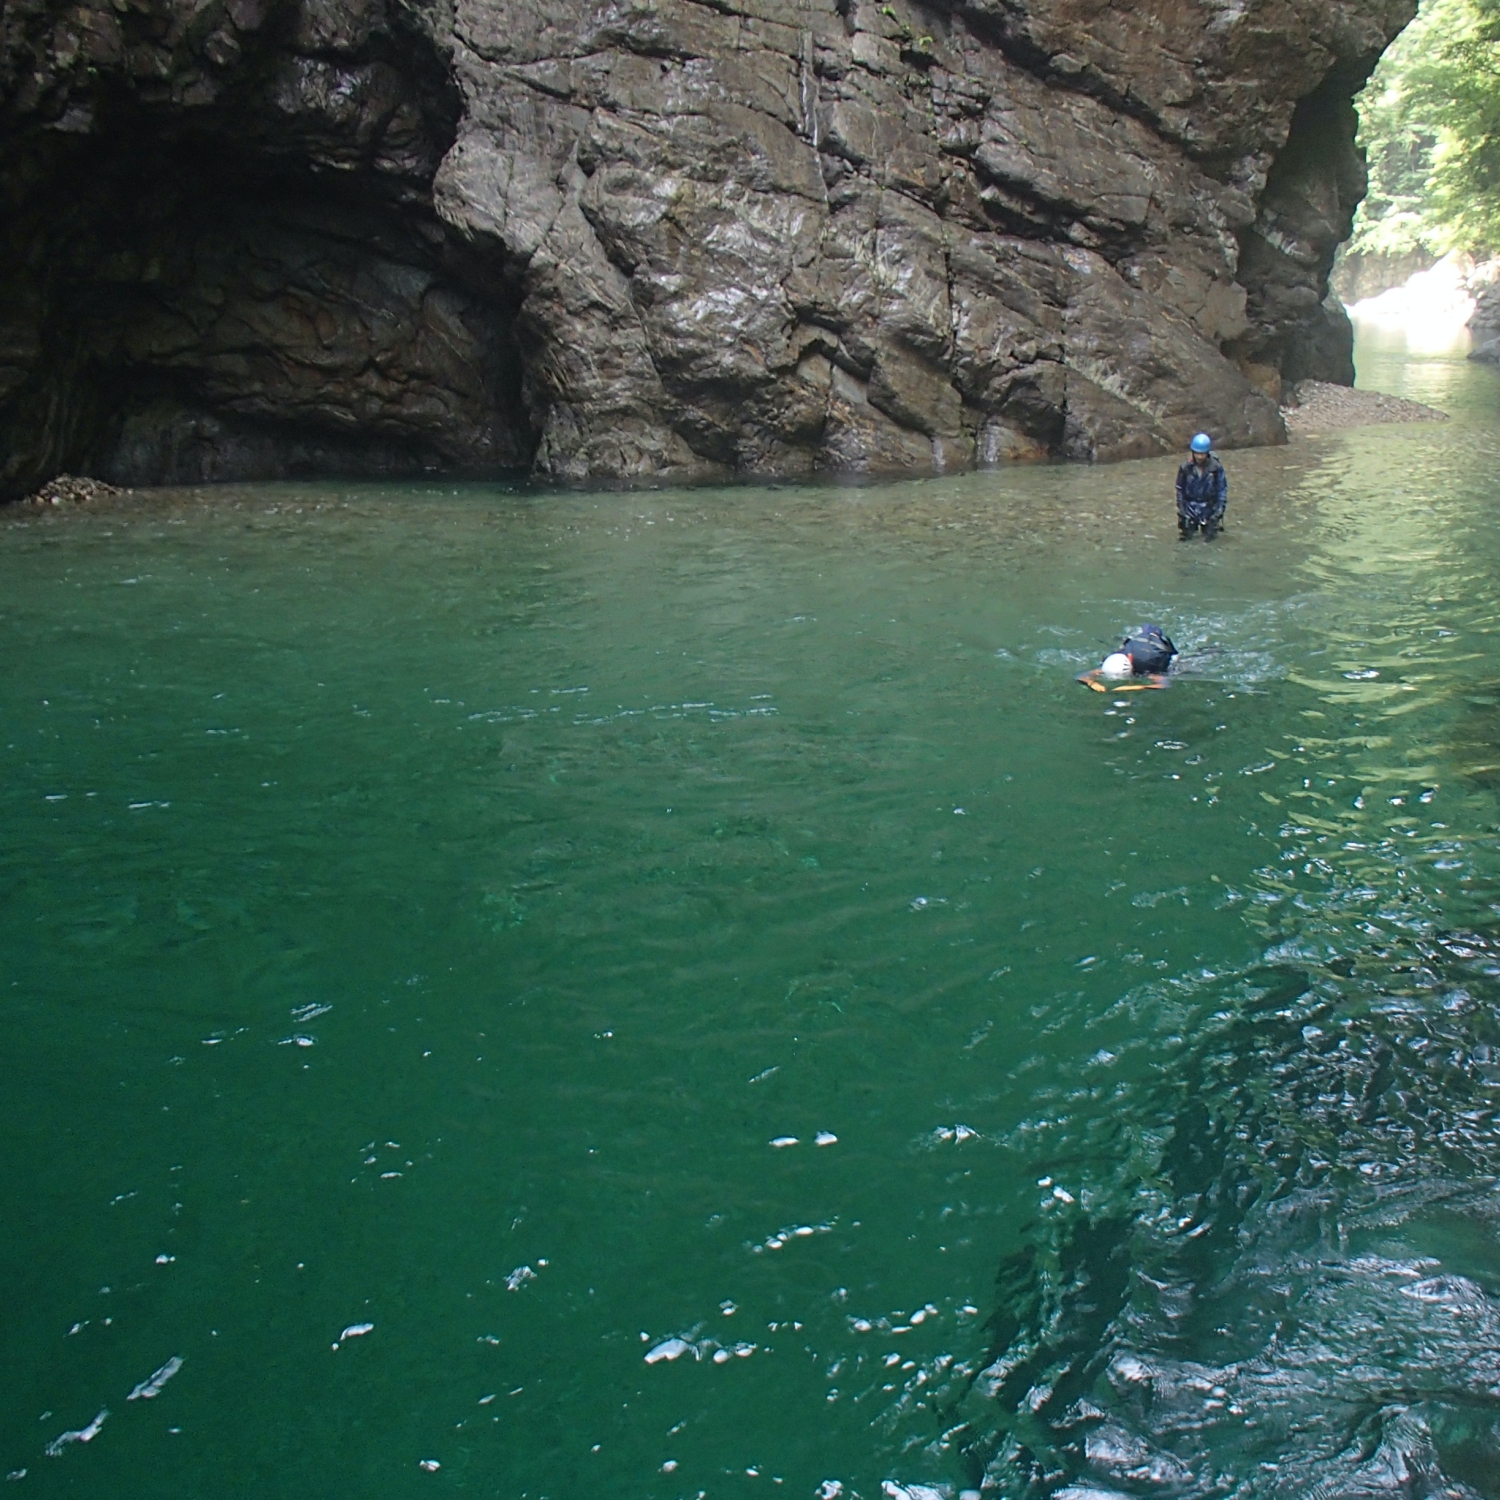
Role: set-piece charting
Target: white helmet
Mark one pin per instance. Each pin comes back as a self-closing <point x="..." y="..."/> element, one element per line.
<point x="1117" y="664"/>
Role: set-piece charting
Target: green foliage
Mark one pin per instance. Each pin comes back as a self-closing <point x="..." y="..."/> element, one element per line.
<point x="1399" y="151"/>
<point x="1430" y="125"/>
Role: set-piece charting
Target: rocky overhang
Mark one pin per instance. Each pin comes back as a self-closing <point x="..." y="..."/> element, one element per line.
<point x="665" y="238"/>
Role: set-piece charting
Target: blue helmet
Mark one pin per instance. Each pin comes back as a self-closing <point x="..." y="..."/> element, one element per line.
<point x="1202" y="443"/>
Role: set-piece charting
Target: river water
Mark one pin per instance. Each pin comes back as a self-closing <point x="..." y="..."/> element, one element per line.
<point x="430" y="915"/>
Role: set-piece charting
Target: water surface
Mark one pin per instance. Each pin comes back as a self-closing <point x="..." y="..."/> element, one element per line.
<point x="424" y="911"/>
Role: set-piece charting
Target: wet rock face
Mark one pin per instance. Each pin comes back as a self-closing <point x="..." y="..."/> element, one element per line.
<point x="1484" y="323"/>
<point x="623" y="238"/>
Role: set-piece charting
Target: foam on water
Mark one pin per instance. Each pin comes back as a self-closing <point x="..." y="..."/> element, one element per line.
<point x="150" y="1388"/>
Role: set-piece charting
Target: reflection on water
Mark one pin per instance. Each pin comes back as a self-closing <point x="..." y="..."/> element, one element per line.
<point x="573" y="994"/>
<point x="1295" y="1283"/>
<point x="1412" y="359"/>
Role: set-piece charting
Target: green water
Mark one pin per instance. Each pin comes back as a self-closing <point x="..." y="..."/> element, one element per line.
<point x="425" y="908"/>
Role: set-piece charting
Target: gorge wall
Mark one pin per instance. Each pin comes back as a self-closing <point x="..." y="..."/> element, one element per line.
<point x="602" y="239"/>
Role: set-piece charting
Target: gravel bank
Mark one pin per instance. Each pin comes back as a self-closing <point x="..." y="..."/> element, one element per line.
<point x="69" y="489"/>
<point x="1317" y="406"/>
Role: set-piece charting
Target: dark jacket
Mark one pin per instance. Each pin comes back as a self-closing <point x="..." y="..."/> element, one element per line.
<point x="1149" y="648"/>
<point x="1202" y="493"/>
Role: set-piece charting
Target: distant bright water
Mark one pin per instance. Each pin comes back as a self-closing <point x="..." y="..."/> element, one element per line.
<point x="584" y="995"/>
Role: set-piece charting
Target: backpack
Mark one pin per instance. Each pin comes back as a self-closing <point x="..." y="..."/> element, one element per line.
<point x="1149" y="648"/>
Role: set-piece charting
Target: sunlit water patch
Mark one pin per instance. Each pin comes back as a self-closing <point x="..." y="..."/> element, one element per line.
<point x="681" y="994"/>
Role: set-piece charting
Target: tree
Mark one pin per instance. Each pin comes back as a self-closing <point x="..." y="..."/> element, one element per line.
<point x="1430" y="126"/>
<point x="1456" y="83"/>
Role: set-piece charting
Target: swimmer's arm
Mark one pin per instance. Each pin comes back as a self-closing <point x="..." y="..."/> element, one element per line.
<point x="1095" y="680"/>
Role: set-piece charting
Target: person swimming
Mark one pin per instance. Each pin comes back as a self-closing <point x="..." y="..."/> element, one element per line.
<point x="1146" y="651"/>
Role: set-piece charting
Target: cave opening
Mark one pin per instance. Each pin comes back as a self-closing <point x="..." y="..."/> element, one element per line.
<point x="257" y="293"/>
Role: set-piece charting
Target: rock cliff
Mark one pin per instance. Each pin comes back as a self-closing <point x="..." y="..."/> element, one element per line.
<point x="629" y="238"/>
<point x="1484" y="321"/>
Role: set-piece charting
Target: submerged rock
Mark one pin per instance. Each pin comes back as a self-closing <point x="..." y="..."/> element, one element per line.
<point x="665" y="237"/>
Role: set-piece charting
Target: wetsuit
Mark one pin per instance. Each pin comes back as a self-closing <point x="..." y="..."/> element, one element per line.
<point x="1202" y="494"/>
<point x="1149" y="649"/>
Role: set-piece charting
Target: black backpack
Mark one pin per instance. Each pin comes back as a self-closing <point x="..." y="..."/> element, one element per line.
<point x="1149" y="648"/>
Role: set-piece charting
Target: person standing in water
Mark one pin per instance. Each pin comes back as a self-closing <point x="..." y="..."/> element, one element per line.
<point x="1202" y="491"/>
